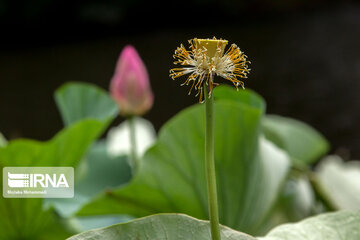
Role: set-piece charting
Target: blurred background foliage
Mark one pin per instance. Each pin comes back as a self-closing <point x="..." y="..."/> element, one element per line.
<point x="304" y="55"/>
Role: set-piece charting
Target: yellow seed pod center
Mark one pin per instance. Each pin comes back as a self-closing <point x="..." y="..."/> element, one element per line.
<point x="214" y="47"/>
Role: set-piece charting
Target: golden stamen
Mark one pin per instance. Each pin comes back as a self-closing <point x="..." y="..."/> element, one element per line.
<point x="205" y="59"/>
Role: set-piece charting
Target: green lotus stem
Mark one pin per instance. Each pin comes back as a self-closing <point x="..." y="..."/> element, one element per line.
<point x="134" y="160"/>
<point x="210" y="165"/>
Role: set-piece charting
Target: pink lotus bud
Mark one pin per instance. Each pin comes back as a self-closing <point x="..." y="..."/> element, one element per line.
<point x="130" y="86"/>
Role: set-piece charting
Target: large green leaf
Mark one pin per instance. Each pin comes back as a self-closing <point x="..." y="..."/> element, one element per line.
<point x="161" y="226"/>
<point x="329" y="226"/>
<point x="295" y="202"/>
<point x="103" y="171"/>
<point x="81" y="224"/>
<point x="65" y="149"/>
<point x="77" y="101"/>
<point x="246" y="97"/>
<point x="25" y="218"/>
<point x="303" y="143"/>
<point x="98" y="171"/>
<point x="338" y="182"/>
<point x="250" y="170"/>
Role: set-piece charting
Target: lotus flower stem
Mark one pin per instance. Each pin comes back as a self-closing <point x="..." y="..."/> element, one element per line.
<point x="205" y="59"/>
<point x="134" y="160"/>
<point x="210" y="165"/>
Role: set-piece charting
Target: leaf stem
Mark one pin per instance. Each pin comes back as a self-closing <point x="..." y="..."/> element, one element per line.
<point x="210" y="165"/>
<point x="134" y="161"/>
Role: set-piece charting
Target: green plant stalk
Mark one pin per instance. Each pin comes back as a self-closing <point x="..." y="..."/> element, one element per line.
<point x="210" y="165"/>
<point x="134" y="160"/>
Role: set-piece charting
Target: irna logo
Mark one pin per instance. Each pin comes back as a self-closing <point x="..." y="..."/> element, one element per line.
<point x="38" y="182"/>
<point x="16" y="180"/>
